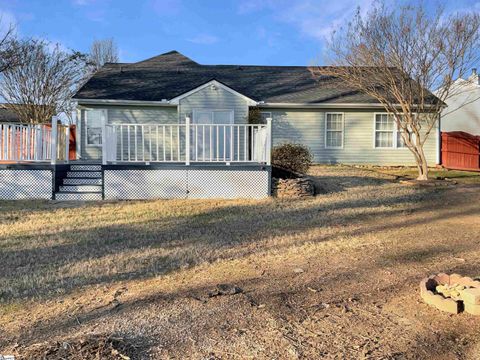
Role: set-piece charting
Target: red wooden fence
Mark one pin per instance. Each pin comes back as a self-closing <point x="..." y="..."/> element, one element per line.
<point x="72" y="144"/>
<point x="460" y="150"/>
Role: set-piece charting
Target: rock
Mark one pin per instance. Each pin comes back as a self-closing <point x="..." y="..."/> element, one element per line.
<point x="225" y="289"/>
<point x="298" y="270"/>
<point x="471" y="296"/>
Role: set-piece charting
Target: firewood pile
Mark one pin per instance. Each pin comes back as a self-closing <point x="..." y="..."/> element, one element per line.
<point x="293" y="188"/>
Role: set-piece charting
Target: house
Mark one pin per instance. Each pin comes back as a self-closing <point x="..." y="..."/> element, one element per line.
<point x="463" y="107"/>
<point x="168" y="127"/>
<point x="338" y="124"/>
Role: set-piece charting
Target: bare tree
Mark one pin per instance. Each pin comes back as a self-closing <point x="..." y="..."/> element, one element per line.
<point x="42" y="85"/>
<point x="9" y="52"/>
<point x="102" y="52"/>
<point x="396" y="55"/>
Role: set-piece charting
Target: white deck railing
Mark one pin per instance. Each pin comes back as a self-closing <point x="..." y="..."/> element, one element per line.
<point x="30" y="143"/>
<point x="213" y="143"/>
<point x="25" y="142"/>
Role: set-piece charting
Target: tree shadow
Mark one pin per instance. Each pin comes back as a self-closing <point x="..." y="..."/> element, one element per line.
<point x="159" y="246"/>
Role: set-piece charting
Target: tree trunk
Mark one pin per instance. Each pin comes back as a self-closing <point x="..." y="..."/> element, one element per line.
<point x="422" y="165"/>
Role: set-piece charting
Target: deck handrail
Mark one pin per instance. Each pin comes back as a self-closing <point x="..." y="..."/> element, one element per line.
<point x="25" y="142"/>
<point x="187" y="143"/>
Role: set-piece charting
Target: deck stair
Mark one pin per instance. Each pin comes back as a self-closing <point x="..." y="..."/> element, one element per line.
<point x="81" y="183"/>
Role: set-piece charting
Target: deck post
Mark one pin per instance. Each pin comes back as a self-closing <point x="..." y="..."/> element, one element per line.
<point x="269" y="141"/>
<point x="104" y="144"/>
<point x="53" y="142"/>
<point x="187" y="140"/>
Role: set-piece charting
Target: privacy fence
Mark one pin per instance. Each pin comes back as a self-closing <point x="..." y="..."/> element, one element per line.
<point x="461" y="150"/>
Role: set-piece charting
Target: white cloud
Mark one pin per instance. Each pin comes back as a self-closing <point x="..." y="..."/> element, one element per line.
<point x="312" y="18"/>
<point x="204" y="39"/>
<point x="93" y="10"/>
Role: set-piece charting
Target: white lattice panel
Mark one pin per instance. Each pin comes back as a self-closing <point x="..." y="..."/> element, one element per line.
<point x="145" y="184"/>
<point x="25" y="184"/>
<point x="228" y="184"/>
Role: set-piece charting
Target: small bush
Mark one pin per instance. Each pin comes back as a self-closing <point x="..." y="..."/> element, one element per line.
<point x="293" y="157"/>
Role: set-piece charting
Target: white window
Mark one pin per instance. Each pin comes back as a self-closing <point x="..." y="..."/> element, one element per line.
<point x="94" y="120"/>
<point x="384" y="131"/>
<point x="387" y="135"/>
<point x="334" y="130"/>
<point x="400" y="142"/>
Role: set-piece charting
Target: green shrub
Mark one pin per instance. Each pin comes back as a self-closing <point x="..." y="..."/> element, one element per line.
<point x="293" y="157"/>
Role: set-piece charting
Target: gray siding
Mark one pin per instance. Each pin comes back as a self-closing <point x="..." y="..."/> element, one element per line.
<point x="87" y="152"/>
<point x="146" y="115"/>
<point x="308" y="127"/>
<point x="219" y="98"/>
<point x="304" y="126"/>
<point x="126" y="115"/>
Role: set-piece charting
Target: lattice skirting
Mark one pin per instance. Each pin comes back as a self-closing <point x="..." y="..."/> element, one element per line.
<point x="228" y="184"/>
<point x="186" y="183"/>
<point x="145" y="184"/>
<point x="25" y="184"/>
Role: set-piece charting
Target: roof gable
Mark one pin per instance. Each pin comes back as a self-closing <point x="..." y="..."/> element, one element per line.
<point x="216" y="83"/>
<point x="171" y="58"/>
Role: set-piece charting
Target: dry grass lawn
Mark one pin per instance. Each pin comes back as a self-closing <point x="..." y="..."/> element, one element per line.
<point x="334" y="277"/>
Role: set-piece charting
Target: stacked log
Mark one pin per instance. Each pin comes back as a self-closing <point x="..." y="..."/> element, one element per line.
<point x="293" y="188"/>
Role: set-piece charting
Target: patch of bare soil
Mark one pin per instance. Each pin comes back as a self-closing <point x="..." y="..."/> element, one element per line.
<point x="98" y="346"/>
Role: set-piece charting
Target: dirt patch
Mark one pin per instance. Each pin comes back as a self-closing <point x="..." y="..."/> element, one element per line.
<point x="105" y="347"/>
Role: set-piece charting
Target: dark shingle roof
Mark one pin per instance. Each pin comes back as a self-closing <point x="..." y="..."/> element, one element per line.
<point x="172" y="74"/>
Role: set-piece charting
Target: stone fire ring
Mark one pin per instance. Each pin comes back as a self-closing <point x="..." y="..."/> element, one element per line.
<point x="431" y="297"/>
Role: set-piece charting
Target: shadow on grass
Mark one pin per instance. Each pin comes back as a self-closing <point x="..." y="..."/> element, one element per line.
<point x="279" y="300"/>
<point x="228" y="232"/>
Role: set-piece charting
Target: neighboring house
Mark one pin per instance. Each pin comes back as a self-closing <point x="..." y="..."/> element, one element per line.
<point x="463" y="108"/>
<point x="8" y="115"/>
<point x="338" y="124"/>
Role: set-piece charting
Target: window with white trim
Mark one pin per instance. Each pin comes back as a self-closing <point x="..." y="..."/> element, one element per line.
<point x="387" y="135"/>
<point x="94" y="120"/>
<point x="334" y="130"/>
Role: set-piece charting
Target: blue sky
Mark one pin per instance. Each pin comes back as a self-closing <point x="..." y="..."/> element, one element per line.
<point x="268" y="32"/>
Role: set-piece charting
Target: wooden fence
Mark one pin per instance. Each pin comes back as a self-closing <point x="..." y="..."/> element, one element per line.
<point x="460" y="151"/>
